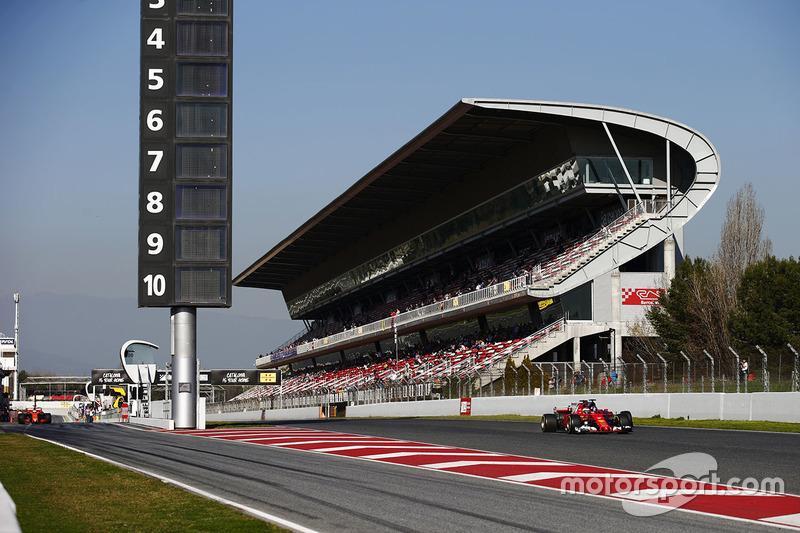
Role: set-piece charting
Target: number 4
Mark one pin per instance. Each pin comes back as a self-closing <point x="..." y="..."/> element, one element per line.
<point x="156" y="38"/>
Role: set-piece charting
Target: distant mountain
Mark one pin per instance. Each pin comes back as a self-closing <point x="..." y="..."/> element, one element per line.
<point x="71" y="335"/>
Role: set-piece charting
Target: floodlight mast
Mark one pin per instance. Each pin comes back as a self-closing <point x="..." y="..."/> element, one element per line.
<point x="15" y="375"/>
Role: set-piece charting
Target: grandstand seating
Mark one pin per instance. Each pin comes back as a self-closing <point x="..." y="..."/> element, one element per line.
<point x="441" y="364"/>
<point x="543" y="267"/>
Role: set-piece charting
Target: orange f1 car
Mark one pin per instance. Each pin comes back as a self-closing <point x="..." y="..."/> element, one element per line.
<point x="34" y="416"/>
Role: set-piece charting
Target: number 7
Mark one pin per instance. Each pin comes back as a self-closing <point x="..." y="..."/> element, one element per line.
<point x="157" y="156"/>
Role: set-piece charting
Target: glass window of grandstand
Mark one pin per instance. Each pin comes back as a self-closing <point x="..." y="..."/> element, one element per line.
<point x="609" y="170"/>
<point x="577" y="303"/>
<point x="508" y="319"/>
<point x="451" y="333"/>
<point x="551" y="311"/>
<point x="404" y="342"/>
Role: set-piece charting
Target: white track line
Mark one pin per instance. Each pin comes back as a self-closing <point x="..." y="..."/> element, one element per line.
<point x="189" y="488"/>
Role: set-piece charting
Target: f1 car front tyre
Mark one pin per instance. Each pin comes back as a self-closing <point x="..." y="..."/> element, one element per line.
<point x="573" y="423"/>
<point x="549" y="423"/>
<point x="625" y="419"/>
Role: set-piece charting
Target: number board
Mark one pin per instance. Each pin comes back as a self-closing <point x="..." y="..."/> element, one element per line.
<point x="185" y="153"/>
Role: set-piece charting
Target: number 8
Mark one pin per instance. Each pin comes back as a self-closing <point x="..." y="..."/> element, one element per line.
<point x="155" y="202"/>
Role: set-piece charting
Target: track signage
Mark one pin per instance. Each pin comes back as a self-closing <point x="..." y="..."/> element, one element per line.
<point x="102" y="376"/>
<point x="230" y="377"/>
<point x="245" y="377"/>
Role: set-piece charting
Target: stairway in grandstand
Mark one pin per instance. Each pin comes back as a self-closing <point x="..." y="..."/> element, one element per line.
<point x="540" y="343"/>
<point x="582" y="253"/>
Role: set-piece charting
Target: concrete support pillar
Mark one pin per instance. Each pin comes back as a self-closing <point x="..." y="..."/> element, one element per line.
<point x="616" y="317"/>
<point x="669" y="257"/>
<point x="576" y="352"/>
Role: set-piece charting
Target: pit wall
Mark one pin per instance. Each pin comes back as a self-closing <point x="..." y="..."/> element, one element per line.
<point x="770" y="406"/>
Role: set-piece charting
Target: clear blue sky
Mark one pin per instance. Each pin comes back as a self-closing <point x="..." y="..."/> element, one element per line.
<point x="324" y="91"/>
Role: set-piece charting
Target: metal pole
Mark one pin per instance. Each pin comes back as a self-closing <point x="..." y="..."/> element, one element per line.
<point x="664" y="361"/>
<point x="795" y="373"/>
<point x="764" y="369"/>
<point x="183" y="323"/>
<point x="621" y="162"/>
<point x="644" y="373"/>
<point x="712" y="369"/>
<point x="688" y="376"/>
<point x="15" y="376"/>
<point x="736" y="371"/>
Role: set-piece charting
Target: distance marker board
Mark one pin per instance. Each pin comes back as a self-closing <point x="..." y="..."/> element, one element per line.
<point x="185" y="153"/>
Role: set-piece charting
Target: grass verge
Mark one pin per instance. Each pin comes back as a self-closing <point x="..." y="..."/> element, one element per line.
<point x="56" y="489"/>
<point x="748" y="425"/>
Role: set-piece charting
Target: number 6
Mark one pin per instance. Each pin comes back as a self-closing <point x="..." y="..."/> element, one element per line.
<point x="154" y="122"/>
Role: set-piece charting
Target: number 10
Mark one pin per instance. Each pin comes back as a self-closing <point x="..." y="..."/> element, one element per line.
<point x="156" y="285"/>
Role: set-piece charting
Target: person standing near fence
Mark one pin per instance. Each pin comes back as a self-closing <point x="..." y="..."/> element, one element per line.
<point x="744" y="369"/>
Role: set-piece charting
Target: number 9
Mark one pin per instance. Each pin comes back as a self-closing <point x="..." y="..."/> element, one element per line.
<point x="156" y="243"/>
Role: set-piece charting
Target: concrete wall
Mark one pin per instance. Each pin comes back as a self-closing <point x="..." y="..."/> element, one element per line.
<point x="771" y="406"/>
<point x="162" y="423"/>
<point x="301" y="413"/>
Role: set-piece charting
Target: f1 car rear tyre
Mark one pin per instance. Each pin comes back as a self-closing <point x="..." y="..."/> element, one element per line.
<point x="625" y="419"/>
<point x="549" y="423"/>
<point x="47" y="418"/>
<point x="573" y="423"/>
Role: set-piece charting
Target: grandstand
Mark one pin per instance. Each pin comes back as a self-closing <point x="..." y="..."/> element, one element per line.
<point x="551" y="225"/>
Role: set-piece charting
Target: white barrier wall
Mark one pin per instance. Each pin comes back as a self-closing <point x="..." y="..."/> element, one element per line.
<point x="770" y="406"/>
<point x="301" y="413"/>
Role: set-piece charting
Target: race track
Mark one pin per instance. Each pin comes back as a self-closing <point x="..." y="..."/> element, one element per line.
<point x="328" y="492"/>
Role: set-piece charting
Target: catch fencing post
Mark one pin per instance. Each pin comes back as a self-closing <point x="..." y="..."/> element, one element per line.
<point x="795" y="373"/>
<point x="687" y="376"/>
<point x="764" y="369"/>
<point x="664" y="362"/>
<point x="736" y="371"/>
<point x="644" y="373"/>
<point x="712" y="369"/>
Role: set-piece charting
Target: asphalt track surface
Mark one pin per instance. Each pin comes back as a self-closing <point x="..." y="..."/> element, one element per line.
<point x="330" y="493"/>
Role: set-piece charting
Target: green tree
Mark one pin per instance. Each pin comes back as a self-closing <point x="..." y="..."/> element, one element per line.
<point x="768" y="313"/>
<point x="675" y="317"/>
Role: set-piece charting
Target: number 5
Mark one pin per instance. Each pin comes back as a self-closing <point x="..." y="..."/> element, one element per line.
<point x="153" y="75"/>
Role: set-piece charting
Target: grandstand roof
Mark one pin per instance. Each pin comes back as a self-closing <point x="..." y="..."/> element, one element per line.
<point x="460" y="141"/>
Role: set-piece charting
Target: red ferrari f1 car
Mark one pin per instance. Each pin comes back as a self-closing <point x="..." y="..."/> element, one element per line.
<point x="585" y="417"/>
